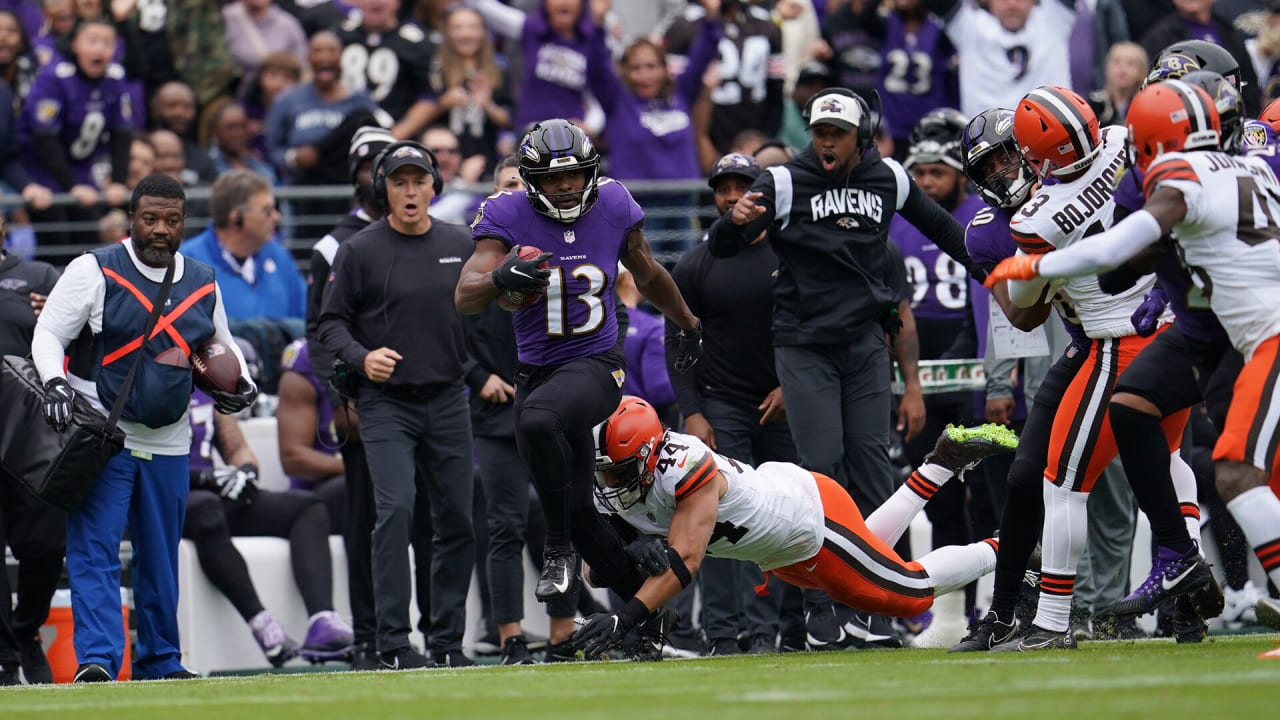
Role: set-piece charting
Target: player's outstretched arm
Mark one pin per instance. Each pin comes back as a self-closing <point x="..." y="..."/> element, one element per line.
<point x="475" y="287"/>
<point x="655" y="283"/>
<point x="690" y="533"/>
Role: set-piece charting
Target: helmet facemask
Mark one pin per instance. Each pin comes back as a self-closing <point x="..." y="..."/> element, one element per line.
<point x="622" y="484"/>
<point x="1000" y="173"/>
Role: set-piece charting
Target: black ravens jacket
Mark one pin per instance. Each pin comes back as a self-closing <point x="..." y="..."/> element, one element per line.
<point x="835" y="281"/>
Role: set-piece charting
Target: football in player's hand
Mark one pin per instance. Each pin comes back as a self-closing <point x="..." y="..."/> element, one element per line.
<point x="214" y="367"/>
<point x="513" y="300"/>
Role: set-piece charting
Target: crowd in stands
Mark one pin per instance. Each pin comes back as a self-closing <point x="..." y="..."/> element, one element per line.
<point x="245" y="101"/>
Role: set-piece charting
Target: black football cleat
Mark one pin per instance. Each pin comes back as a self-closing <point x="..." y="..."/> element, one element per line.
<point x="962" y="448"/>
<point x="985" y="633"/>
<point x="559" y="572"/>
<point x="1038" y="638"/>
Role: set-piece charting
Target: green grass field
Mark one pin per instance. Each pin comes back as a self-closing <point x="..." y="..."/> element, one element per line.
<point x="1221" y="678"/>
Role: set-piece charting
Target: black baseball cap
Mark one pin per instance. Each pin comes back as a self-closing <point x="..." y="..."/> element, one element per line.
<point x="406" y="156"/>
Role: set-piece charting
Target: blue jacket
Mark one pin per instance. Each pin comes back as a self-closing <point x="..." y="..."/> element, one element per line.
<point x="278" y="290"/>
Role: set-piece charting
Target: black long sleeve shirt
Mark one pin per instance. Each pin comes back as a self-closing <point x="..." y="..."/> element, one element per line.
<point x="835" y="281"/>
<point x="394" y="290"/>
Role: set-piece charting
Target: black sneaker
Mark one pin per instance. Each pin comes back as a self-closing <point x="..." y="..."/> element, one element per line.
<point x="724" y="646"/>
<point x="762" y="645"/>
<point x="560" y="652"/>
<point x="822" y="628"/>
<point x="1037" y="638"/>
<point x="985" y="633"/>
<point x="457" y="659"/>
<point x="9" y="677"/>
<point x="868" y="630"/>
<point x="515" y="651"/>
<point x="962" y="448"/>
<point x="35" y="666"/>
<point x="651" y="636"/>
<point x="1117" y="627"/>
<point x="559" y="570"/>
<point x="365" y="658"/>
<point x="1172" y="574"/>
<point x="405" y="658"/>
<point x="92" y="672"/>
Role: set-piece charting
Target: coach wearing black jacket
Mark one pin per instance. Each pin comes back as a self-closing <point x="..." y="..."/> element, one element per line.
<point x="388" y="312"/>
<point x="827" y="214"/>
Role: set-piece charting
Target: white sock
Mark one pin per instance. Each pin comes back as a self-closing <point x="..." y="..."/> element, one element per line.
<point x="1258" y="512"/>
<point x="1066" y="520"/>
<point x="1184" y="486"/>
<point x="951" y="567"/>
<point x="894" y="516"/>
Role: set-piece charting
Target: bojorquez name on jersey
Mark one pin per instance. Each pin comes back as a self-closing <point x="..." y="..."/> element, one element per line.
<point x="1086" y="204"/>
<point x="847" y="201"/>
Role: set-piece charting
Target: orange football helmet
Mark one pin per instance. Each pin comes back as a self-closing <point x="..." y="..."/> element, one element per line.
<point x="1056" y="130"/>
<point x="1171" y="116"/>
<point x="1271" y="114"/>
<point x="627" y="446"/>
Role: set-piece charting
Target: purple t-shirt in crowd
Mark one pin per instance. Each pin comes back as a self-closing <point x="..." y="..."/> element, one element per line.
<point x="297" y="359"/>
<point x="83" y="113"/>
<point x="918" y="73"/>
<point x="646" y="360"/>
<point x="939" y="287"/>
<point x="576" y="318"/>
<point x="652" y="139"/>
<point x="555" y="74"/>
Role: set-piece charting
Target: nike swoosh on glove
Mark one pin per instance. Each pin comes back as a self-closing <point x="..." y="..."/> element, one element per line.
<point x="688" y="348"/>
<point x="517" y="274"/>
<point x="649" y="556"/>
<point x="59" y="401"/>
<point x="232" y="403"/>
<point x="598" y="633"/>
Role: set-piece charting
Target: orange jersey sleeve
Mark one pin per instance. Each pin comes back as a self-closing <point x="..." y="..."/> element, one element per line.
<point x="1031" y="244"/>
<point x="1170" y="169"/>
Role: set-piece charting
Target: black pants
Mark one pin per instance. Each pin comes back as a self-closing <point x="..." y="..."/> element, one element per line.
<point x="506" y="488"/>
<point x="403" y="435"/>
<point x="333" y="493"/>
<point x="556" y="408"/>
<point x="360" y="518"/>
<point x="37" y="533"/>
<point x="729" y="603"/>
<point x="296" y="515"/>
<point x="1022" y="522"/>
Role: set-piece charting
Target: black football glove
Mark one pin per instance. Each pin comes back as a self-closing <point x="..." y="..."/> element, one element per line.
<point x="59" y="400"/>
<point x="232" y="403"/>
<point x="599" y="632"/>
<point x="649" y="556"/>
<point x="688" y="348"/>
<point x="517" y="274"/>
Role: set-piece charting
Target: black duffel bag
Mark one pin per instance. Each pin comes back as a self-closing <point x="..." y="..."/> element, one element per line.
<point x="60" y="468"/>
<point x="57" y="467"/>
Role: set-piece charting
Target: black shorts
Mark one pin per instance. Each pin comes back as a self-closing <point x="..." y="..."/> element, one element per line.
<point x="1175" y="372"/>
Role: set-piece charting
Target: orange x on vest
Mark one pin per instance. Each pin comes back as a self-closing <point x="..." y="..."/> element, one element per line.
<point x="163" y="324"/>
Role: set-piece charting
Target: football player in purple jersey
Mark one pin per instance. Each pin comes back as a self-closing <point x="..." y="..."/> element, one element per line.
<point x="572" y="366"/>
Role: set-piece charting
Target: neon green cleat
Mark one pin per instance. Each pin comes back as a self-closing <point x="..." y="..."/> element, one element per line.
<point x="962" y="448"/>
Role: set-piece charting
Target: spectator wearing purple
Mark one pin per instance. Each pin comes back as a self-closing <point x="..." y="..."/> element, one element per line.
<point x="554" y="40"/>
<point x="59" y="18"/>
<point x="1196" y="20"/>
<point x="646" y="376"/>
<point x="257" y="28"/>
<point x="78" y="122"/>
<point x="918" y="74"/>
<point x="28" y="12"/>
<point x="469" y="94"/>
<point x="15" y="79"/>
<point x="650" y="129"/>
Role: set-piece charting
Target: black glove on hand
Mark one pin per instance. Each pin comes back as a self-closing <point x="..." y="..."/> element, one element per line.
<point x="601" y="631"/>
<point x="59" y="399"/>
<point x="688" y="347"/>
<point x="649" y="555"/>
<point x="517" y="274"/>
<point x="232" y="403"/>
<point x="239" y="485"/>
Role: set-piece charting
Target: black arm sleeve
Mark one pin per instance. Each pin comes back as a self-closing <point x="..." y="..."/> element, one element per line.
<point x="53" y="155"/>
<point x="939" y="226"/>
<point x="771" y="123"/>
<point x="121" y="143"/>
<point x="725" y="239"/>
<point x="339" y="312"/>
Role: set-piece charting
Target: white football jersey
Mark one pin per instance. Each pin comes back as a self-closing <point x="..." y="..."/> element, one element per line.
<point x="1063" y="213"/>
<point x="998" y="67"/>
<point x="770" y="515"/>
<point x="1230" y="237"/>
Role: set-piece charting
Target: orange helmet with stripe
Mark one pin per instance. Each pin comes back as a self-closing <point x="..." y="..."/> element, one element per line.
<point x="1171" y="116"/>
<point x="1057" y="131"/>
<point x="627" y="444"/>
<point x="1271" y="114"/>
